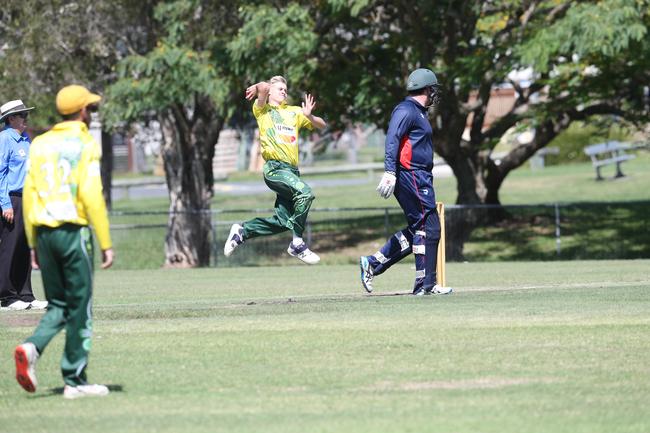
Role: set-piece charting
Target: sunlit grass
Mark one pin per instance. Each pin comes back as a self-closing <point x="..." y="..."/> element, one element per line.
<point x="535" y="347"/>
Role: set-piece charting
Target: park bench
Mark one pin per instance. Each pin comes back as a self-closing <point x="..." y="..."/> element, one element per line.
<point x="537" y="161"/>
<point x="609" y="153"/>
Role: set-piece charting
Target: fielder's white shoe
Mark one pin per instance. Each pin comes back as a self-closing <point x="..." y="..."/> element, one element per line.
<point x="366" y="273"/>
<point x="72" y="392"/>
<point x="26" y="356"/>
<point x="18" y="305"/>
<point x="38" y="305"/>
<point x="303" y="253"/>
<point x="235" y="238"/>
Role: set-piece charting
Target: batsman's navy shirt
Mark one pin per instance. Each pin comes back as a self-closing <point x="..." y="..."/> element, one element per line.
<point x="408" y="140"/>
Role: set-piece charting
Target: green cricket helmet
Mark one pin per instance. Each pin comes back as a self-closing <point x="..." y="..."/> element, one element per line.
<point x="421" y="78"/>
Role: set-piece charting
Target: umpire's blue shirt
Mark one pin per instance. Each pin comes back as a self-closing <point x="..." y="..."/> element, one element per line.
<point x="408" y="140"/>
<point x="14" y="153"/>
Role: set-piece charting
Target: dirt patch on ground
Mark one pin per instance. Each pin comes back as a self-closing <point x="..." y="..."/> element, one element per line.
<point x="19" y="319"/>
<point x="464" y="384"/>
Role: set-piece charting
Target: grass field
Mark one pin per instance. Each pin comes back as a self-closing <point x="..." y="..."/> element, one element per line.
<point x="519" y="347"/>
<point x="558" y="183"/>
<point x="619" y="231"/>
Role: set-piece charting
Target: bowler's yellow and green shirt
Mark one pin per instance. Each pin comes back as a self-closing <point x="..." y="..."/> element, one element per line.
<point x="63" y="183"/>
<point x="279" y="127"/>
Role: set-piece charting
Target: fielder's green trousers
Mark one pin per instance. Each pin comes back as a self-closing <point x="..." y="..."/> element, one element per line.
<point x="65" y="255"/>
<point x="292" y="205"/>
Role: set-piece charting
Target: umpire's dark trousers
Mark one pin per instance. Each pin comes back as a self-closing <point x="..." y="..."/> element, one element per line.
<point x="415" y="194"/>
<point x="15" y="266"/>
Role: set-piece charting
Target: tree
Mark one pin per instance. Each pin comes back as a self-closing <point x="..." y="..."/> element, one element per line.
<point x="366" y="48"/>
<point x="191" y="59"/>
<point x="193" y="82"/>
<point x="276" y="41"/>
<point x="46" y="45"/>
<point x="184" y="81"/>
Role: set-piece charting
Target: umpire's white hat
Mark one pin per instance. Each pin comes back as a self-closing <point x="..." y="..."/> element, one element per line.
<point x="13" y="107"/>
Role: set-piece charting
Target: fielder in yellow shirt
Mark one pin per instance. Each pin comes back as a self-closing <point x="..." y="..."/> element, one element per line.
<point x="61" y="196"/>
<point x="279" y="125"/>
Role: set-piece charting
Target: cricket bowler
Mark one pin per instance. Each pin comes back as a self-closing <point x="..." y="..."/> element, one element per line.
<point x="279" y="125"/>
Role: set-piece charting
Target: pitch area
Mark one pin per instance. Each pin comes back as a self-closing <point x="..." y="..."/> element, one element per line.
<point x="519" y="347"/>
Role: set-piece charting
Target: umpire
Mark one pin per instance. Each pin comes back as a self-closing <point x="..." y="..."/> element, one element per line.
<point x="15" y="268"/>
<point x="408" y="164"/>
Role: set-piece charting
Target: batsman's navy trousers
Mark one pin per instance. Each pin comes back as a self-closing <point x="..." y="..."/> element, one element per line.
<point x="415" y="194"/>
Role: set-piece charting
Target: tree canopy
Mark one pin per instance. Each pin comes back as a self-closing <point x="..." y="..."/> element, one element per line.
<point x="187" y="62"/>
<point x="45" y="45"/>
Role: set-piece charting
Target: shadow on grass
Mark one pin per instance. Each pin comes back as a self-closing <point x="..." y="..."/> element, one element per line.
<point x="589" y="231"/>
<point x="520" y="233"/>
<point x="58" y="391"/>
<point x="324" y="236"/>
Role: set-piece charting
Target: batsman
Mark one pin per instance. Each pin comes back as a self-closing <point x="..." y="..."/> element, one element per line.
<point x="407" y="164"/>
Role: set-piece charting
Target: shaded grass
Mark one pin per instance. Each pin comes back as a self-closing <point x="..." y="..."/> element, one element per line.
<point x="587" y="231"/>
<point x="533" y="347"/>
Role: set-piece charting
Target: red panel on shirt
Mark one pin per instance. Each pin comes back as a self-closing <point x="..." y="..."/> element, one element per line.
<point x="405" y="152"/>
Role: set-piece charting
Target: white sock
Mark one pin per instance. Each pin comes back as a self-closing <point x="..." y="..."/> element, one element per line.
<point x="297" y="240"/>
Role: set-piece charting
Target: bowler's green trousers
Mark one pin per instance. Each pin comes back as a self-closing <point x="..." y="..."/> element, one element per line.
<point x="65" y="255"/>
<point x="291" y="206"/>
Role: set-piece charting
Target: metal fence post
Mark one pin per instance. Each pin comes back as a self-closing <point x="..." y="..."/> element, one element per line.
<point x="558" y="241"/>
<point x="308" y="230"/>
<point x="386" y="234"/>
<point x="215" y="248"/>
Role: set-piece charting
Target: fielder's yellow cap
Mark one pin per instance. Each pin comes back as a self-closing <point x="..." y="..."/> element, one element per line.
<point x="73" y="98"/>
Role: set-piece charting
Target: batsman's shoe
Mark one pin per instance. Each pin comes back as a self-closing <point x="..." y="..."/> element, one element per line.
<point x="441" y="290"/>
<point x="303" y="253"/>
<point x="26" y="356"/>
<point x="17" y="306"/>
<point x="72" y="392"/>
<point x="435" y="290"/>
<point x="366" y="273"/>
<point x="235" y="238"/>
<point x="38" y="305"/>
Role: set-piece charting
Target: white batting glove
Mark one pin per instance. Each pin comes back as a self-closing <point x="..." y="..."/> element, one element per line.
<point x="386" y="185"/>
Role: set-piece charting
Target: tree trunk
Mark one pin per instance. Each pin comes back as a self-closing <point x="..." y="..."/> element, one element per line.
<point x="463" y="220"/>
<point x="106" y="167"/>
<point x="188" y="151"/>
<point x="462" y="159"/>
